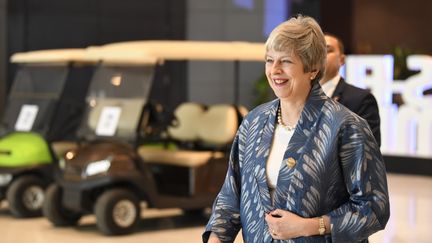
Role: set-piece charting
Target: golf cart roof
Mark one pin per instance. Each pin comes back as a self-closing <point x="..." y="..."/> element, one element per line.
<point x="50" y="56"/>
<point x="179" y="50"/>
<point x="121" y="56"/>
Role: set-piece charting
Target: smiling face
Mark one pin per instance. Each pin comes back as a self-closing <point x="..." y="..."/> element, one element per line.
<point x="286" y="76"/>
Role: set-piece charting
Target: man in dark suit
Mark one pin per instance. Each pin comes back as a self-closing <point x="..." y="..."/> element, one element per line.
<point x="358" y="100"/>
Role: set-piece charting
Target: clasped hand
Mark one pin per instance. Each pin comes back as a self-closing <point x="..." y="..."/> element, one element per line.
<point x="284" y="225"/>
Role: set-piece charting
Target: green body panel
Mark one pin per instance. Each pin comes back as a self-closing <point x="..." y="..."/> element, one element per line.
<point x="24" y="149"/>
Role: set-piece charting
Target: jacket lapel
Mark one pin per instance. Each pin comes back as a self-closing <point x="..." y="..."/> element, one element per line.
<point x="264" y="141"/>
<point x="290" y="176"/>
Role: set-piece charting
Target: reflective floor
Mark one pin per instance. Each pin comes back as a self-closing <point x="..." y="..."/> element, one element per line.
<point x="411" y="208"/>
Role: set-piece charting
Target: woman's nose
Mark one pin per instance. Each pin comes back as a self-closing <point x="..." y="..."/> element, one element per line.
<point x="276" y="67"/>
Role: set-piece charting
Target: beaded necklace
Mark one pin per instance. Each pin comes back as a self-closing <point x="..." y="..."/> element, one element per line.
<point x="279" y="119"/>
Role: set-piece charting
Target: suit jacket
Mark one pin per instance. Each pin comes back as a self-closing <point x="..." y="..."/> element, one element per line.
<point x="338" y="171"/>
<point x="361" y="102"/>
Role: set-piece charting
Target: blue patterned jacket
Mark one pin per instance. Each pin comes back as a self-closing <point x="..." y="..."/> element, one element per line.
<point x="339" y="172"/>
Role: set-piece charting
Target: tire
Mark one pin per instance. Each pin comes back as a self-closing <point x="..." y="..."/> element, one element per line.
<point x="54" y="211"/>
<point x="25" y="196"/>
<point x="117" y="212"/>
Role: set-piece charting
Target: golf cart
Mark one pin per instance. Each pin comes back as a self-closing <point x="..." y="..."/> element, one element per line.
<point x="112" y="172"/>
<point x="43" y="106"/>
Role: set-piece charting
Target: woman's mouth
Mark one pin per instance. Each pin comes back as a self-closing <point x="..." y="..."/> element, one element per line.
<point x="280" y="81"/>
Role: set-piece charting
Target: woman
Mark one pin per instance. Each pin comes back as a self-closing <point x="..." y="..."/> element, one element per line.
<point x="303" y="168"/>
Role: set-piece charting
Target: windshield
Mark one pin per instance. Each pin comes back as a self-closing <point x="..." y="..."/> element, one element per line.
<point x="115" y="101"/>
<point x="33" y="98"/>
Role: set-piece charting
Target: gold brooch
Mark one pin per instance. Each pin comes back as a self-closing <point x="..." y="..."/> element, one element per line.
<point x="291" y="162"/>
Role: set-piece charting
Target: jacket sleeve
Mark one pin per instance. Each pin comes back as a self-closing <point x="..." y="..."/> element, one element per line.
<point x="367" y="209"/>
<point x="225" y="218"/>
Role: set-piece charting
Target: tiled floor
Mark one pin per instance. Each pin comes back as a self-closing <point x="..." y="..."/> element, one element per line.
<point x="411" y="211"/>
<point x="411" y="207"/>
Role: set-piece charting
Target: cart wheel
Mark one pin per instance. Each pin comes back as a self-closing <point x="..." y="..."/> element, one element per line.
<point x="54" y="211"/>
<point x="117" y="212"/>
<point x="25" y="196"/>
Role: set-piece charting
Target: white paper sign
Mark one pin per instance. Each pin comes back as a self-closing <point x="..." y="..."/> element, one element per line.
<point x="26" y="118"/>
<point x="108" y="121"/>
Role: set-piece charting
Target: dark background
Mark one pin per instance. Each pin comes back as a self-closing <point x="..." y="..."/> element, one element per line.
<point x="51" y="24"/>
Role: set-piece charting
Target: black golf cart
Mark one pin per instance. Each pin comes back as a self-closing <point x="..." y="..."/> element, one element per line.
<point x="112" y="172"/>
<point x="43" y="106"/>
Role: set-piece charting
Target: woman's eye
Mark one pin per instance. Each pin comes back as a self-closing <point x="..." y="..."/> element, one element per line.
<point x="269" y="60"/>
<point x="286" y="61"/>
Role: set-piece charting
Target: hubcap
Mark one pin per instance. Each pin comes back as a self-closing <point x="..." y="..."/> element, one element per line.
<point x="124" y="213"/>
<point x="33" y="197"/>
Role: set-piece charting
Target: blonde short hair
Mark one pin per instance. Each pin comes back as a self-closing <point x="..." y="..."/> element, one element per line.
<point x="303" y="37"/>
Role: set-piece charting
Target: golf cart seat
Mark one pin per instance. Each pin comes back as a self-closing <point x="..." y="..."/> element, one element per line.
<point x="211" y="131"/>
<point x="242" y="110"/>
<point x="183" y="158"/>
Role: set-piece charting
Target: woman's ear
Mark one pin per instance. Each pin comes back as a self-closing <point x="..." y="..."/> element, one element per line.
<point x="313" y="74"/>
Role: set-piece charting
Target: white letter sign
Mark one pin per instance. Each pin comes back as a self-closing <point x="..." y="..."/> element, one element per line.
<point x="406" y="130"/>
<point x="26" y="118"/>
<point x="108" y="120"/>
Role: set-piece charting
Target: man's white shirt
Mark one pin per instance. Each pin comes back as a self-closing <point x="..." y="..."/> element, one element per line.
<point x="330" y="86"/>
